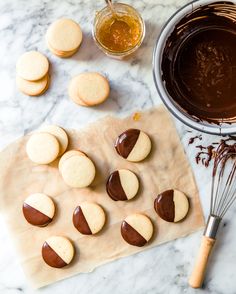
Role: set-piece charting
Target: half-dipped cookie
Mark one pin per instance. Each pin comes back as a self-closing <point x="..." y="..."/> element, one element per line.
<point x="133" y="145"/>
<point x="38" y="209"/>
<point x="137" y="229"/>
<point x="122" y="185"/>
<point x="89" y="218"/>
<point x="171" y="205"/>
<point x="57" y="251"/>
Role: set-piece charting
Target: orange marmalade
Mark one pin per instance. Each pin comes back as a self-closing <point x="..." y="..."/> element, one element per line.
<point x="119" y="33"/>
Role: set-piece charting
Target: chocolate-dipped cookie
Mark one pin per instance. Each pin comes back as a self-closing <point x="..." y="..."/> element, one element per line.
<point x="57" y="251"/>
<point x="133" y="145"/>
<point x="171" y="205"/>
<point x="137" y="229"/>
<point x="89" y="218"/>
<point x="122" y="185"/>
<point x="38" y="209"/>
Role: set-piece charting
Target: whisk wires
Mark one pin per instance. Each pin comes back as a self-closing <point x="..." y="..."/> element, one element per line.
<point x="223" y="190"/>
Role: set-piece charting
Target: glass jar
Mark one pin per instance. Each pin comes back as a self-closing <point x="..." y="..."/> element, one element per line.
<point x="120" y="31"/>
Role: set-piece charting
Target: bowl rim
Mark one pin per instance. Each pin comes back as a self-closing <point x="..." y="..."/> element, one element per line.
<point x="221" y="129"/>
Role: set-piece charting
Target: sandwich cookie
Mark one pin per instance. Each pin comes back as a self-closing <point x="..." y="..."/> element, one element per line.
<point x="33" y="88"/>
<point x="171" y="205"/>
<point x="42" y="148"/>
<point x="38" y="209"/>
<point x="67" y="155"/>
<point x="122" y="185"/>
<point x="89" y="89"/>
<point x="32" y="66"/>
<point x="78" y="171"/>
<point x="133" y="145"/>
<point x="137" y="229"/>
<point x="64" y="37"/>
<point x="57" y="251"/>
<point x="59" y="134"/>
<point x="89" y="218"/>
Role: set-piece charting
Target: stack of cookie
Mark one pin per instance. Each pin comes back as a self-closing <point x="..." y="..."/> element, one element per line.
<point x="44" y="146"/>
<point x="64" y="37"/>
<point x="89" y="89"/>
<point x="32" y="73"/>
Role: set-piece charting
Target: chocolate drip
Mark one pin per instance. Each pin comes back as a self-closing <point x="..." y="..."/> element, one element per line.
<point x="35" y="217"/>
<point x="165" y="206"/>
<point x="208" y="152"/>
<point x="80" y="222"/>
<point x="192" y="139"/>
<point x="114" y="187"/>
<point x="199" y="63"/>
<point x="126" y="142"/>
<point x="51" y="257"/>
<point x="131" y="236"/>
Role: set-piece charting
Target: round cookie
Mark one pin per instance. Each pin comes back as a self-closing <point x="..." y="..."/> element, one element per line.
<point x="59" y="134"/>
<point x="133" y="145"/>
<point x="64" y="35"/>
<point x="38" y="209"/>
<point x="57" y="251"/>
<point x="122" y="185"/>
<point x="171" y="205"/>
<point x="89" y="218"/>
<point x="42" y="148"/>
<point x="137" y="229"/>
<point x="90" y="88"/>
<point x="32" y="66"/>
<point x="78" y="171"/>
<point x="67" y="155"/>
<point x="34" y="88"/>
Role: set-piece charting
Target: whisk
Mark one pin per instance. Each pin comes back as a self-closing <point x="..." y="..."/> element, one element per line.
<point x="223" y="194"/>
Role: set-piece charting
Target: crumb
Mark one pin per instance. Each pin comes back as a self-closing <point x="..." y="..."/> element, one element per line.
<point x="136" y="116"/>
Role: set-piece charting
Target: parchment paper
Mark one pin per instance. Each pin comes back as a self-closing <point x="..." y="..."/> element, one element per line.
<point x="165" y="168"/>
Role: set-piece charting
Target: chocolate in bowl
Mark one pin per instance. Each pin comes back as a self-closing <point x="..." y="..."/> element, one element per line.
<point x="195" y="66"/>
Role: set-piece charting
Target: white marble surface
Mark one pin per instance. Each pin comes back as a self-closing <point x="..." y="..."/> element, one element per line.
<point x="164" y="269"/>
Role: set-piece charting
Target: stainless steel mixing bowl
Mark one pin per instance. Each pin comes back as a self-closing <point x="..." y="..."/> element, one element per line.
<point x="223" y="129"/>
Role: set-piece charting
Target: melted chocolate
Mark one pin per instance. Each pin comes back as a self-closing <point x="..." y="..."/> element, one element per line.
<point x="165" y="206"/>
<point x="35" y="217"/>
<point x="131" y="236"/>
<point x="114" y="187"/>
<point x="126" y="142"/>
<point x="80" y="222"/>
<point x="51" y="257"/>
<point x="199" y="63"/>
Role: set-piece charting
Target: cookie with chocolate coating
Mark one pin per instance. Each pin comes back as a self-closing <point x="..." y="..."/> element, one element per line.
<point x="133" y="145"/>
<point x="57" y="251"/>
<point x="89" y="218"/>
<point x="122" y="185"/>
<point x="38" y="209"/>
<point x="171" y="205"/>
<point x="137" y="229"/>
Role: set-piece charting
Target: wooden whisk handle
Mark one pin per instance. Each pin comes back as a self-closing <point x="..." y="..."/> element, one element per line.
<point x="197" y="276"/>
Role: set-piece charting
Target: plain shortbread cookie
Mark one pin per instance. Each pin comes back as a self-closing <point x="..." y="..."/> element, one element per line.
<point x="64" y="35"/>
<point x="32" y="66"/>
<point x="91" y="88"/>
<point x="78" y="171"/>
<point x="42" y="148"/>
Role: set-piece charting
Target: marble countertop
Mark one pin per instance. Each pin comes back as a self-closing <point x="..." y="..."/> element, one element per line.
<point x="164" y="269"/>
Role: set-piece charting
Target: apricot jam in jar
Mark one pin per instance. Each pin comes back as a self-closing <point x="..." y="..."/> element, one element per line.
<point x="118" y="31"/>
